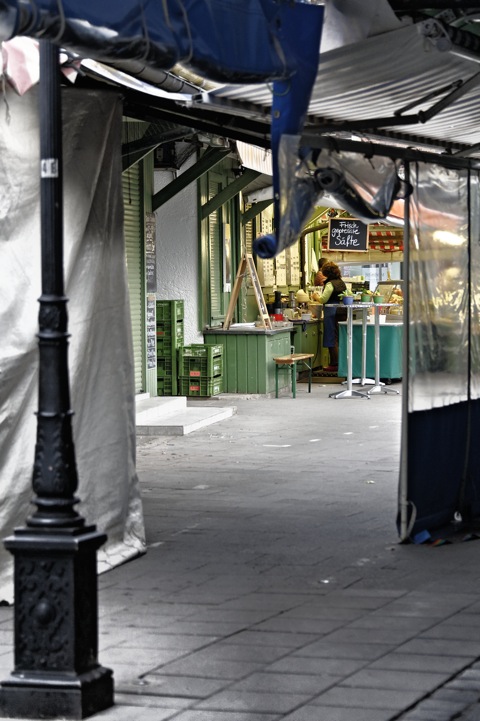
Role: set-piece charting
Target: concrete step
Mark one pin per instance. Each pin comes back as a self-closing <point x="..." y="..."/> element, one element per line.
<point x="150" y="409"/>
<point x="170" y="416"/>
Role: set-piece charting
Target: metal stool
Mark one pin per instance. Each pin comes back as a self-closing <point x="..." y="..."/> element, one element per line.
<point x="290" y="361"/>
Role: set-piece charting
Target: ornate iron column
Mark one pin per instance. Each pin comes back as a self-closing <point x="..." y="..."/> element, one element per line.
<point x="56" y="672"/>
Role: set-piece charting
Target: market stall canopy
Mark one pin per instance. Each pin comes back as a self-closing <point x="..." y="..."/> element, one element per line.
<point x="253" y="41"/>
<point x="391" y="84"/>
<point x="402" y="88"/>
<point x="391" y="81"/>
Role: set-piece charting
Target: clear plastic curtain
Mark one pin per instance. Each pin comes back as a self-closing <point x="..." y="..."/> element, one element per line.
<point x="475" y="285"/>
<point x="439" y="292"/>
<point x="440" y="468"/>
<point x="470" y="490"/>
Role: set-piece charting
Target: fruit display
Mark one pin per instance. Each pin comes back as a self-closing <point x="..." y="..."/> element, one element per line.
<point x="397" y="296"/>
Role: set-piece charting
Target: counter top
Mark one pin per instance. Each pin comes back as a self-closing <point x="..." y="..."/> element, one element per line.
<point x="299" y="321"/>
<point x="382" y="325"/>
<point x="247" y="329"/>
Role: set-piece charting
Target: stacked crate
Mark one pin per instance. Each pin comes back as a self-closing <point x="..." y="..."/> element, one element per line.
<point x="200" y="370"/>
<point x="170" y="335"/>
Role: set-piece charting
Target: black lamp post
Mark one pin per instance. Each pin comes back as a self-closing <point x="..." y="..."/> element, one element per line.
<point x="56" y="672"/>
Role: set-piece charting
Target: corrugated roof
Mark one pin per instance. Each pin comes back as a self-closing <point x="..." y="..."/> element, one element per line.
<point x="377" y="78"/>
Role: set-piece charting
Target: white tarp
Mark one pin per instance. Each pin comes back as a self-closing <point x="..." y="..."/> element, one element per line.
<point x="100" y="351"/>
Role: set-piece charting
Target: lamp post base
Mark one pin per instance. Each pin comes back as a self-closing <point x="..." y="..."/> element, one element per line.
<point x="56" y="672"/>
<point x="39" y="696"/>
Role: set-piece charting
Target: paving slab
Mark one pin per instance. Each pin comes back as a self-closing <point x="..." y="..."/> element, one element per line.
<point x="285" y="683"/>
<point x="328" y="649"/>
<point x="420" y="663"/>
<point x="197" y="715"/>
<point x="368" y="698"/>
<point x="254" y="701"/>
<point x="472" y="714"/>
<point x="186" y="687"/>
<point x="330" y="713"/>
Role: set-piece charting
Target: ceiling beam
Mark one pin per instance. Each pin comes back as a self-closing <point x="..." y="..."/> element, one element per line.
<point x="255" y="196"/>
<point x="229" y="192"/>
<point x="228" y="125"/>
<point x="255" y="210"/>
<point x="257" y="131"/>
<point x="371" y="149"/>
<point x="212" y="157"/>
<point x="137" y="149"/>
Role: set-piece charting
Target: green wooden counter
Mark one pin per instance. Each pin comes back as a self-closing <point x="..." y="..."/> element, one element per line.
<point x="391" y="350"/>
<point x="308" y="339"/>
<point x="248" y="354"/>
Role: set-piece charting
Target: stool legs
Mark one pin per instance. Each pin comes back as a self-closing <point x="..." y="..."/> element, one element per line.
<point x="293" y="371"/>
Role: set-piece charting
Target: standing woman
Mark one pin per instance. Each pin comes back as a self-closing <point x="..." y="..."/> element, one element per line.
<point x="332" y="288"/>
<point x="319" y="277"/>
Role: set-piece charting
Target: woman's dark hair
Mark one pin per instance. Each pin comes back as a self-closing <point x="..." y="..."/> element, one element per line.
<point x="321" y="263"/>
<point x="331" y="271"/>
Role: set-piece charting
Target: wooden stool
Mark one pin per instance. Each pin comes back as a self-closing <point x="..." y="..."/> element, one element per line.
<point x="290" y="361"/>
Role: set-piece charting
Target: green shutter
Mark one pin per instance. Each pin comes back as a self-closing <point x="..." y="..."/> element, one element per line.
<point x="133" y="225"/>
<point x="248" y="232"/>
<point x="215" y="239"/>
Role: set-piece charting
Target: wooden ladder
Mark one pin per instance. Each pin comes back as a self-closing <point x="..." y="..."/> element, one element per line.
<point x="247" y="265"/>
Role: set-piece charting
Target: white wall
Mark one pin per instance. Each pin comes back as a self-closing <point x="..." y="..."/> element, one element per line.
<point x="177" y="250"/>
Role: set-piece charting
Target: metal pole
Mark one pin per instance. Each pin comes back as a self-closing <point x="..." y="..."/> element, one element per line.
<point x="56" y="670"/>
<point x="54" y="479"/>
<point x="406" y="510"/>
<point x="379" y="387"/>
<point x="349" y="393"/>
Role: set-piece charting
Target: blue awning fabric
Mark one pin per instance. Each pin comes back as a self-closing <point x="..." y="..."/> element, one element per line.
<point x="225" y="40"/>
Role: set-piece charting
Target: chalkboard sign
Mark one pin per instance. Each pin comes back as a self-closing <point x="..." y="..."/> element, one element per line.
<point x="347" y="234"/>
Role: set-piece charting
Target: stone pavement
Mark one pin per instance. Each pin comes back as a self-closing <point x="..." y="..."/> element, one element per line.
<point x="274" y="586"/>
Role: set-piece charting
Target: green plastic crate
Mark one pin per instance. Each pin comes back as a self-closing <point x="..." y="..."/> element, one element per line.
<point x="200" y="386"/>
<point x="206" y="367"/>
<point x="167" y="347"/>
<point x="167" y="386"/>
<point x="166" y="366"/>
<point x="169" y="338"/>
<point x="172" y="328"/>
<point x="170" y="310"/>
<point x="201" y="350"/>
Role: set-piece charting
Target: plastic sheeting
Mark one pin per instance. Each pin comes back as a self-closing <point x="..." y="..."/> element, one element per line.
<point x="20" y="64"/>
<point x="440" y="480"/>
<point x="353" y="21"/>
<point x="439" y="288"/>
<point x="474" y="278"/>
<point x="100" y="355"/>
<point x="371" y="189"/>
